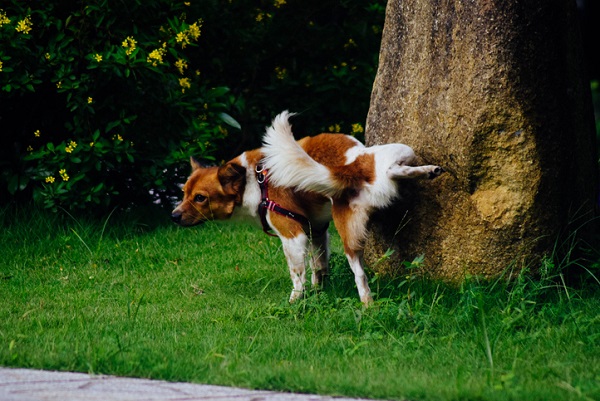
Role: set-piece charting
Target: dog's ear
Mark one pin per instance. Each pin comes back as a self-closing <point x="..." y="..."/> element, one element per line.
<point x="195" y="164"/>
<point x="233" y="179"/>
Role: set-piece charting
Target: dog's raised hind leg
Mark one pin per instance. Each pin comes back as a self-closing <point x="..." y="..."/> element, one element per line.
<point x="399" y="172"/>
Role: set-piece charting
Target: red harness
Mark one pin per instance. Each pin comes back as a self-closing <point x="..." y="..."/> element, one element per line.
<point x="267" y="204"/>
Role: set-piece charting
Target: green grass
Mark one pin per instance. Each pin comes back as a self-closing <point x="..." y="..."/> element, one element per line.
<point x="138" y="297"/>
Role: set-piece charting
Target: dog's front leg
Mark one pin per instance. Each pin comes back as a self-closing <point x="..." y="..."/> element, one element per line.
<point x="295" y="250"/>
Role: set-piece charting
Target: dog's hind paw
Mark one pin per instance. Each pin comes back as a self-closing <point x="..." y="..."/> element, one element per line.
<point x="436" y="171"/>
<point x="367" y="300"/>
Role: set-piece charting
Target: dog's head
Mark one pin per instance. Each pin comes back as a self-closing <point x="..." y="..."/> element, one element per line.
<point x="210" y="193"/>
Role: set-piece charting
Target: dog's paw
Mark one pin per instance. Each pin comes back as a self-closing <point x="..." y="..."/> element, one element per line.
<point x="436" y="171"/>
<point x="367" y="300"/>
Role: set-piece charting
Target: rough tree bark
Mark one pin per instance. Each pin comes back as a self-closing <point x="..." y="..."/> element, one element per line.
<point x="493" y="91"/>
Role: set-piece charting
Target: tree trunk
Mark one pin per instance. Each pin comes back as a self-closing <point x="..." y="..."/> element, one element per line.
<point x="495" y="92"/>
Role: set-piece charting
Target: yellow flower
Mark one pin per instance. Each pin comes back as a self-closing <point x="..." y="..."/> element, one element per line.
<point x="279" y="3"/>
<point x="59" y="84"/>
<point x="280" y="72"/>
<point x="181" y="65"/>
<point x="63" y="174"/>
<point x="350" y="43"/>
<point x="98" y="57"/>
<point x="29" y="148"/>
<point x="50" y="179"/>
<point x="47" y="56"/>
<point x="186" y="3"/>
<point x="3" y="18"/>
<point x="0" y="65"/>
<point x="120" y="138"/>
<point x="262" y="16"/>
<point x="357" y="128"/>
<point x="90" y="100"/>
<point x="335" y="128"/>
<point x="156" y="56"/>
<point x="183" y="38"/>
<point x="91" y="144"/>
<point x="185" y="84"/>
<point x="24" y="26"/>
<point x="194" y="29"/>
<point x="37" y="133"/>
<point x="71" y="147"/>
<point x="129" y="45"/>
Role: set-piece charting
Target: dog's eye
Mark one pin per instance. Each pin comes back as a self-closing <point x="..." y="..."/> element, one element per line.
<point x="199" y="198"/>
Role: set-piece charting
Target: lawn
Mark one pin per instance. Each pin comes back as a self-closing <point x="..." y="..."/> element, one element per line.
<point x="133" y="295"/>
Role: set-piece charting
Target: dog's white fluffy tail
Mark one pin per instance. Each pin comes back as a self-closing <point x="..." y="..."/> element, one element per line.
<point x="289" y="165"/>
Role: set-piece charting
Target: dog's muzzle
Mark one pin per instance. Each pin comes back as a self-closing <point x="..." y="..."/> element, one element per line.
<point x="176" y="217"/>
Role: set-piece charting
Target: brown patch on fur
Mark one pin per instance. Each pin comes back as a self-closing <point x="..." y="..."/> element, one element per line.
<point x="288" y="228"/>
<point x="357" y="173"/>
<point x="342" y="213"/>
<point x="330" y="150"/>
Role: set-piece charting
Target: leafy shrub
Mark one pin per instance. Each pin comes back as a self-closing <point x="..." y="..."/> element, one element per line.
<point x="103" y="102"/>
<point x="103" y="107"/>
<point x="315" y="57"/>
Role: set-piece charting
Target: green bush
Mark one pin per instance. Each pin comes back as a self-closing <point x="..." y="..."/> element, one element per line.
<point x="315" y="57"/>
<point x="103" y="108"/>
<point x="103" y="102"/>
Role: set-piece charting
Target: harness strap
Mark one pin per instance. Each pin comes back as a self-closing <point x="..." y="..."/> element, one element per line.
<point x="267" y="204"/>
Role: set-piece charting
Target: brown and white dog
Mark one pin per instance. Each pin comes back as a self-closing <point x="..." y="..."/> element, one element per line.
<point x="297" y="187"/>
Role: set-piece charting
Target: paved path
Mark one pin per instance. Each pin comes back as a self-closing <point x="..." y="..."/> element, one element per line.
<point x="37" y="385"/>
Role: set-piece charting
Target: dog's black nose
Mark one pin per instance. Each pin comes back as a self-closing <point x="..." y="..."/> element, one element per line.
<point x="176" y="217"/>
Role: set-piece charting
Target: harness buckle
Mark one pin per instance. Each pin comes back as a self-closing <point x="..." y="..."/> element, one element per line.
<point x="261" y="174"/>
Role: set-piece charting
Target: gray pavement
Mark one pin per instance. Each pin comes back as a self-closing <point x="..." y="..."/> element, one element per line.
<point x="37" y="385"/>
